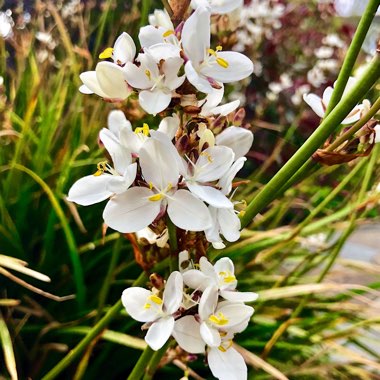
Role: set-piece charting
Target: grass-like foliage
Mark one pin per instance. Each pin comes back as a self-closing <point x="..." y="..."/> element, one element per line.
<point x="311" y="321"/>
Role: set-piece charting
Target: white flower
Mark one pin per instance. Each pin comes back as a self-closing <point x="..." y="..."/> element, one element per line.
<point x="140" y="206"/>
<point x="107" y="181"/>
<point x="236" y="138"/>
<point x="225" y="362"/>
<point x="160" y="17"/>
<point x="157" y="84"/>
<point x="123" y="51"/>
<point x="117" y="122"/>
<point x="221" y="275"/>
<point x="349" y="8"/>
<point x="107" y="81"/>
<point x="212" y="320"/>
<point x="205" y="65"/>
<point x="319" y="105"/>
<point x="145" y="306"/>
<point x="6" y="25"/>
<point x="134" y="140"/>
<point x="211" y="104"/>
<point x="212" y="164"/>
<point x="152" y="238"/>
<point x="218" y="6"/>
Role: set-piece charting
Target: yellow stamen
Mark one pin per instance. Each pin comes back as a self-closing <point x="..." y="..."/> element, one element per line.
<point x="209" y="158"/>
<point x="219" y="48"/>
<point x="147" y="306"/>
<point x="102" y="167"/>
<point x="150" y="185"/>
<point x="147" y="73"/>
<point x="219" y="319"/>
<point x="144" y="130"/>
<point x="106" y="53"/>
<point x="221" y="348"/>
<point x="156" y="197"/>
<point x="156" y="299"/>
<point x="229" y="279"/>
<point x="211" y="51"/>
<point x="222" y="62"/>
<point x="168" y="33"/>
<point x="241" y="213"/>
<point x="169" y="187"/>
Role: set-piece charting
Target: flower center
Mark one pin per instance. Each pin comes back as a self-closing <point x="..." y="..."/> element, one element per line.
<point x="227" y="277"/>
<point x="218" y="319"/>
<point x="144" y="130"/>
<point x="225" y="345"/>
<point x="220" y="61"/>
<point x="160" y="195"/>
<point x="153" y="299"/>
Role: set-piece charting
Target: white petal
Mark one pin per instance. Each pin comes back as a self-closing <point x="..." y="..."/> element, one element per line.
<point x="132" y="140"/>
<point x="237" y="138"/>
<point x="196" y="35"/>
<point x="234" y="312"/>
<point x="155" y="101"/>
<point x="170" y="68"/>
<point x="121" y="156"/>
<point x="91" y="84"/>
<point x="117" y="121"/>
<point x="212" y="233"/>
<point x="213" y="163"/>
<point x="210" y="195"/>
<point x="136" y="76"/>
<point x="90" y="189"/>
<point x="124" y="49"/>
<point x="169" y="126"/>
<point x="131" y="211"/>
<point x="315" y="102"/>
<point x="225" y="183"/>
<point x="212" y="100"/>
<point x="225" y="264"/>
<point x="229" y="224"/>
<point x="164" y="51"/>
<point x="161" y="18"/>
<point x="173" y="292"/>
<point x="111" y="80"/>
<point x="120" y="184"/>
<point x="159" y="332"/>
<point x="327" y="96"/>
<point x="186" y="333"/>
<point x="226" y="109"/>
<point x="200" y="82"/>
<point x="210" y="335"/>
<point x="195" y="279"/>
<point x="158" y="164"/>
<point x="228" y="365"/>
<point x="150" y="35"/>
<point x="234" y="296"/>
<point x="208" y="302"/>
<point x="134" y="300"/>
<point x="377" y="130"/>
<point x="239" y="67"/>
<point x="354" y="115"/>
<point x="188" y="212"/>
<point x="85" y="90"/>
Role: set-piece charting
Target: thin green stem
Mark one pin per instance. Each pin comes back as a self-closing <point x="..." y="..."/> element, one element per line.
<point x="329" y="124"/>
<point x="352" y="54"/>
<point x="145" y="7"/>
<point x="155" y="361"/>
<point x="95" y="331"/>
<point x="172" y="229"/>
<point x="141" y="364"/>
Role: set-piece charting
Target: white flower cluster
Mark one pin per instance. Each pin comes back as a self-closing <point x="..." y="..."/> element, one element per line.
<point x="185" y="168"/>
<point x="167" y="53"/>
<point x="201" y="309"/>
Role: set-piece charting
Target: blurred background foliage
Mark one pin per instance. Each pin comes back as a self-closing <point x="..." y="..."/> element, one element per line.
<point x="309" y="323"/>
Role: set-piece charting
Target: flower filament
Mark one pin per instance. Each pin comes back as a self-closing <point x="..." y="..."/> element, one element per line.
<point x="220" y="61"/>
<point x="219" y="319"/>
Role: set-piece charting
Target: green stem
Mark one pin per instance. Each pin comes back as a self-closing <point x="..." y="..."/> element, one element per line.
<point x="155" y="361"/>
<point x="95" y="331"/>
<point x="352" y="54"/>
<point x="145" y="6"/>
<point x="172" y="229"/>
<point x="265" y="196"/>
<point x="141" y="364"/>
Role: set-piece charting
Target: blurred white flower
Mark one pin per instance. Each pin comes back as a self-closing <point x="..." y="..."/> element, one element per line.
<point x="6" y="25"/>
<point x="218" y="6"/>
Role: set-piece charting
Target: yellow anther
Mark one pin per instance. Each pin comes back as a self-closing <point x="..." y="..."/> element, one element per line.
<point x="211" y="51"/>
<point x="208" y="156"/>
<point x="169" y="187"/>
<point x="148" y="74"/>
<point x="156" y="299"/>
<point x="102" y="167"/>
<point x="156" y="197"/>
<point x="219" y="319"/>
<point x="150" y="185"/>
<point x="106" y="53"/>
<point x="241" y="213"/>
<point x="229" y="279"/>
<point x="222" y="62"/>
<point x="222" y="334"/>
<point x="219" y="48"/>
<point x="145" y="129"/>
<point x="221" y="348"/>
<point x="147" y="306"/>
<point x="168" y="33"/>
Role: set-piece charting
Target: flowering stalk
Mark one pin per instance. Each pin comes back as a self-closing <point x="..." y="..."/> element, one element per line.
<point x="270" y="190"/>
